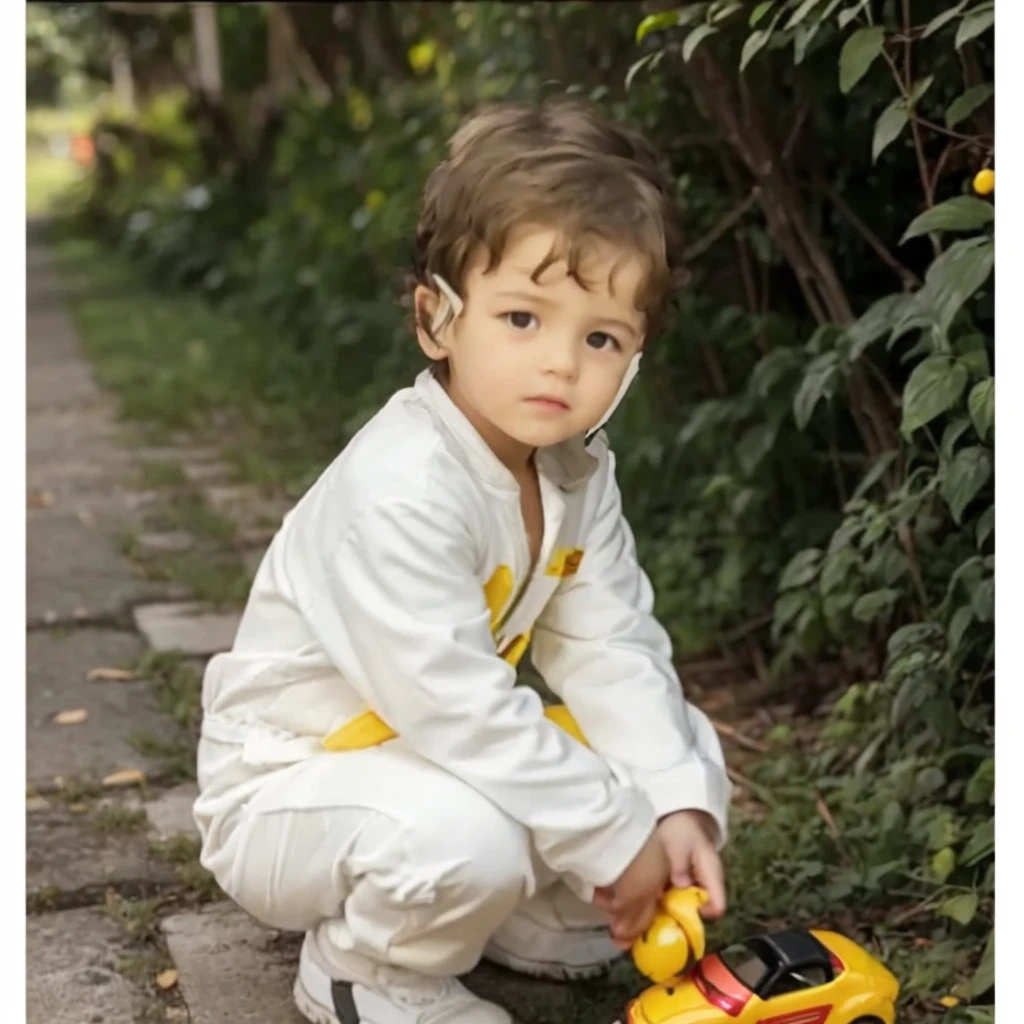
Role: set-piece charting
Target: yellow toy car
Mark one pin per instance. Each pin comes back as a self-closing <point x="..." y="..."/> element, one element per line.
<point x="788" y="977"/>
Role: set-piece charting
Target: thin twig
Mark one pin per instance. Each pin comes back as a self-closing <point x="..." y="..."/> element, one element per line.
<point x="801" y="117"/>
<point x="724" y="224"/>
<point x="906" y="275"/>
<point x="826" y="814"/>
<point x="739" y="738"/>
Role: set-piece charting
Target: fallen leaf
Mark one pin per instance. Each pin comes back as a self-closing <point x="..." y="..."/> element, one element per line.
<point x="111" y="675"/>
<point x="36" y="803"/>
<point x="125" y="777"/>
<point x="167" y="979"/>
<point x="41" y="499"/>
<point x="177" y="1013"/>
<point x="76" y="716"/>
<point x="78" y="808"/>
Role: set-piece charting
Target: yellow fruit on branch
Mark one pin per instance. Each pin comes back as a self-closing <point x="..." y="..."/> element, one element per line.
<point x="985" y="182"/>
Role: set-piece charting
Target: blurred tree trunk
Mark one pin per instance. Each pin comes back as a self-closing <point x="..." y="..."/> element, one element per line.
<point x="121" y="73"/>
<point x="207" y="50"/>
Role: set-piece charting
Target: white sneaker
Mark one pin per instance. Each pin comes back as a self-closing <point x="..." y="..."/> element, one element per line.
<point x="554" y="935"/>
<point x="384" y="995"/>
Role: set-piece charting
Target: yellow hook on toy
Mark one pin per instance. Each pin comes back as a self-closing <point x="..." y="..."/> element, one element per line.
<point x="675" y="937"/>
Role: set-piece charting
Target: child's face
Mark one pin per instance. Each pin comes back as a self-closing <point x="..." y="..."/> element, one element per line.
<point x="535" y="364"/>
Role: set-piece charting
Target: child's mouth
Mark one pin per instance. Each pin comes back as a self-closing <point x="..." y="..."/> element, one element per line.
<point x="548" y="403"/>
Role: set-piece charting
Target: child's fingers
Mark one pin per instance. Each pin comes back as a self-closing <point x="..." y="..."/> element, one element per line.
<point x="707" y="867"/>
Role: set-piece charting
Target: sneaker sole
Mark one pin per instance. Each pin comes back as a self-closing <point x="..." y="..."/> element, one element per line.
<point x="310" y="1008"/>
<point x="547" y="969"/>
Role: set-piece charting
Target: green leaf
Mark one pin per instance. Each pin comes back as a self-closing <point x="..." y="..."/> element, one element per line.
<point x="935" y="386"/>
<point x="704" y="417"/>
<point x="874" y="323"/>
<point x="851" y="13"/>
<point x="874" y="474"/>
<point x="656" y="23"/>
<point x="762" y="9"/>
<point x="950" y="281"/>
<point x="943" y="863"/>
<point x="981" y="403"/>
<point x="858" y="54"/>
<point x="974" y="23"/>
<point x="720" y="11"/>
<point x="965" y="476"/>
<point x="754" y="445"/>
<point x="944" y="18"/>
<point x="919" y="88"/>
<point x="819" y="378"/>
<point x="695" y="38"/>
<point x="771" y="369"/>
<point x="961" y="907"/>
<point x="956" y="429"/>
<point x="966" y="104"/>
<point x="962" y="213"/>
<point x="958" y="626"/>
<point x="973" y="353"/>
<point x="890" y="123"/>
<point x="652" y="59"/>
<point x="802" y="39"/>
<point x="981" y="843"/>
<point x="982" y="782"/>
<point x="755" y="43"/>
<point x="871" y="606"/>
<point x="801" y="570"/>
<point x="984" y="977"/>
<point x="983" y="600"/>
<point x="799" y="14"/>
<point x="836" y="569"/>
<point x="910" y="636"/>
<point x="986" y="524"/>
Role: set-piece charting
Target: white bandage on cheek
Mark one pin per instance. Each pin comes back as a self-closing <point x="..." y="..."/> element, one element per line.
<point x="449" y="306"/>
<point x="631" y="371"/>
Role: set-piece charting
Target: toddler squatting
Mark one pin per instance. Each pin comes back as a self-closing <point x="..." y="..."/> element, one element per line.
<point x="369" y="772"/>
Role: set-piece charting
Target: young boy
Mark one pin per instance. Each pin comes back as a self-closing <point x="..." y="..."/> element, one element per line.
<point x="369" y="772"/>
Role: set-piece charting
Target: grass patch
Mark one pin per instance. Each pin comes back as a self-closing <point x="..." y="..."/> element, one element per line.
<point x="117" y="820"/>
<point x="162" y="474"/>
<point x="177" y="364"/>
<point x="183" y="853"/>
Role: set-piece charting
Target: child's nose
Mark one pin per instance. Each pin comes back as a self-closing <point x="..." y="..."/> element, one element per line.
<point x="563" y="358"/>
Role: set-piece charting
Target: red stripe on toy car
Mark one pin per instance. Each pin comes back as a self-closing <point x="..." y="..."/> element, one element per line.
<point x="811" y="1015"/>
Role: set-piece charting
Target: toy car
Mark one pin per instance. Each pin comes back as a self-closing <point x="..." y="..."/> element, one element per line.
<point x="788" y="977"/>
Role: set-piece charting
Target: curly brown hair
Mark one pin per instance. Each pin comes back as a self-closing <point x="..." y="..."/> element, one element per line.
<point x="560" y="166"/>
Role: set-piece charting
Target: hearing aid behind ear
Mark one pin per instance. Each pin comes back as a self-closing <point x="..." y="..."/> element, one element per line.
<point x="449" y="305"/>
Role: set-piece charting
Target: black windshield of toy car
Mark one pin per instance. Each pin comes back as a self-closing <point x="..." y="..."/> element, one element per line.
<point x="743" y="962"/>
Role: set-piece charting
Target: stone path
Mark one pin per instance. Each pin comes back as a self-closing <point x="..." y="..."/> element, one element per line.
<point x="124" y="927"/>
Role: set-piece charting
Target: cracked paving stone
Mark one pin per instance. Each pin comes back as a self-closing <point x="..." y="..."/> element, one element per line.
<point x="73" y="977"/>
<point x="188" y="627"/>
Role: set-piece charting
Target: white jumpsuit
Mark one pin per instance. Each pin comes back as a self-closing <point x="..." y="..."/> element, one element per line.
<point x="401" y="584"/>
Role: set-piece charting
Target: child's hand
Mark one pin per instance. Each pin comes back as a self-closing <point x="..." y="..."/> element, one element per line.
<point x="688" y="839"/>
<point x="632" y="901"/>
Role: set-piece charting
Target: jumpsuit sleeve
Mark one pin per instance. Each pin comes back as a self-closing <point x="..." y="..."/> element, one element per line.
<point x="404" y="617"/>
<point x="599" y="647"/>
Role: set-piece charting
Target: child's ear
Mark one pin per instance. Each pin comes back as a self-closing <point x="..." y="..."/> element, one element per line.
<point x="426" y="304"/>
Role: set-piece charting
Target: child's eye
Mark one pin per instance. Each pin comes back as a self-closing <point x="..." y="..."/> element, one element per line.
<point x="599" y="340"/>
<point x="520" y="319"/>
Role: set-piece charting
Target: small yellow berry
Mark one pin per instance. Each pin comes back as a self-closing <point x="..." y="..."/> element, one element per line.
<point x="985" y="182"/>
<point x="949" y="1002"/>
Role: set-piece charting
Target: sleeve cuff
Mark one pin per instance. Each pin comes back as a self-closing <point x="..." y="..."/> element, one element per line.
<point x="694" y="786"/>
<point x="602" y="859"/>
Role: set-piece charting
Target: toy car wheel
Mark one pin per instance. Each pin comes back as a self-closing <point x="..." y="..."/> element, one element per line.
<point x="867" y="1020"/>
